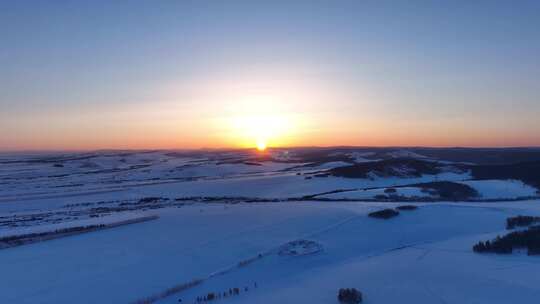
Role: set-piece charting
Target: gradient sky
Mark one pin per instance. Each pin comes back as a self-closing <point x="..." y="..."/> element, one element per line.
<point x="189" y="74"/>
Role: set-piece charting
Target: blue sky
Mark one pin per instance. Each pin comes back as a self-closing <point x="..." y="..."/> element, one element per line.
<point x="174" y="74"/>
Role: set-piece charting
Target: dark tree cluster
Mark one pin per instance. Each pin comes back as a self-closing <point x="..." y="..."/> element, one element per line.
<point x="390" y="190"/>
<point x="449" y="190"/>
<point x="521" y="221"/>
<point x="384" y="214"/>
<point x="322" y="175"/>
<point x="21" y="239"/>
<point x="349" y="296"/>
<point x="529" y="239"/>
<point x="211" y="296"/>
<point x="151" y="199"/>
<point x="227" y="199"/>
<point x="407" y="207"/>
<point x="527" y="172"/>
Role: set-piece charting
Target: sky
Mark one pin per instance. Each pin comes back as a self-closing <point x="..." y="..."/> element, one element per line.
<point x="78" y="75"/>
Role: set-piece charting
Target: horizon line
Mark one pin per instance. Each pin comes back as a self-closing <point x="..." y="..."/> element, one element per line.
<point x="254" y="148"/>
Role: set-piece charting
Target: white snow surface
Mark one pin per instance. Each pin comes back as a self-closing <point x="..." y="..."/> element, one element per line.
<point x="421" y="256"/>
<point x="389" y="260"/>
<point x="502" y="189"/>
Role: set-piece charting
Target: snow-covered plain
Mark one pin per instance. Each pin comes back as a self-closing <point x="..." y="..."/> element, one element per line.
<point x="502" y="189"/>
<point x="421" y="256"/>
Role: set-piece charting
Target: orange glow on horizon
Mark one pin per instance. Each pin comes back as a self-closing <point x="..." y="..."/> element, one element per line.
<point x="249" y="122"/>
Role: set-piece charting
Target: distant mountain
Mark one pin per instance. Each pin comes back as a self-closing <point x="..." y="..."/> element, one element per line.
<point x="479" y="156"/>
<point x="397" y="167"/>
<point x="527" y="172"/>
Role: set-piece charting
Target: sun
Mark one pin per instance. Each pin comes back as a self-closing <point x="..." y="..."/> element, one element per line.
<point x="261" y="145"/>
<point x="257" y="131"/>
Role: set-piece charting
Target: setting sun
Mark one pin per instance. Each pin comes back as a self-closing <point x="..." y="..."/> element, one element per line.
<point x="261" y="145"/>
<point x="260" y="130"/>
